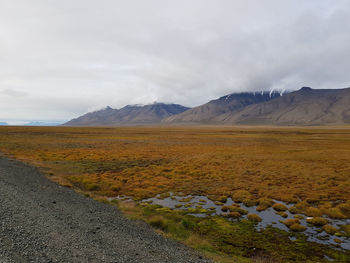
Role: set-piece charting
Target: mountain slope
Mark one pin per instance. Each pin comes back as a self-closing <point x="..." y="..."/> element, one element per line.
<point x="129" y="115"/>
<point x="303" y="107"/>
<point x="225" y="105"/>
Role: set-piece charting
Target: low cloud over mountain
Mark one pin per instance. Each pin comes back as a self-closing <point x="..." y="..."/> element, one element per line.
<point x="128" y="115"/>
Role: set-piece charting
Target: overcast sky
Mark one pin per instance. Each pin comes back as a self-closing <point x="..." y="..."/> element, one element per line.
<point x="62" y="58"/>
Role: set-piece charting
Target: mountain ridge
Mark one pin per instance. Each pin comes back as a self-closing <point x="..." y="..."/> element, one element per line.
<point x="304" y="107"/>
<point x="229" y="103"/>
<point x="128" y="115"/>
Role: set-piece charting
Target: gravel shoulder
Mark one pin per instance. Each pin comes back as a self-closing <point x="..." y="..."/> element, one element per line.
<point x="41" y="221"/>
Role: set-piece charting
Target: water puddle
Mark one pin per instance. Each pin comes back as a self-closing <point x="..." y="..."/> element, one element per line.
<point x="201" y="206"/>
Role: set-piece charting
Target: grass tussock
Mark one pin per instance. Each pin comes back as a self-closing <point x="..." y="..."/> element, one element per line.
<point x="234" y="215"/>
<point x="254" y="218"/>
<point x="282" y="214"/>
<point x="264" y="203"/>
<point x="297" y="228"/>
<point x="317" y="221"/>
<point x="334" y="212"/>
<point x="329" y="229"/>
<point x="313" y="211"/>
<point x="280" y="207"/>
<point x="290" y="222"/>
<point x="346" y="229"/>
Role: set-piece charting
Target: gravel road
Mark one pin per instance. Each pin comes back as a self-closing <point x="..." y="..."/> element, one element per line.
<point x="41" y="221"/>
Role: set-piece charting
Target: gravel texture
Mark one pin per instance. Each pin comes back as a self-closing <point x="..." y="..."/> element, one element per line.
<point x="41" y="221"/>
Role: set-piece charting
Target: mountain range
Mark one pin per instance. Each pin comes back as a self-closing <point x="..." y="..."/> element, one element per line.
<point x="42" y="123"/>
<point x="303" y="107"/>
<point x="226" y="105"/>
<point x="128" y="115"/>
<point x="306" y="106"/>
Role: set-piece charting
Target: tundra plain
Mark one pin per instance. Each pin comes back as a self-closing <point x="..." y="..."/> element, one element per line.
<point x="306" y="168"/>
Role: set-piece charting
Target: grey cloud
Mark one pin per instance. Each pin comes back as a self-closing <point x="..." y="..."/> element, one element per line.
<point x="59" y="59"/>
<point x="13" y="93"/>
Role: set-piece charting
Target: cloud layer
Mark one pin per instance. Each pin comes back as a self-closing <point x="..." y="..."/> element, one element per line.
<point x="59" y="59"/>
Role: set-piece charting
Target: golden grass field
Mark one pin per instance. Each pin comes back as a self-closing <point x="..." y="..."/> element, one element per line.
<point x="299" y="165"/>
<point x="309" y="167"/>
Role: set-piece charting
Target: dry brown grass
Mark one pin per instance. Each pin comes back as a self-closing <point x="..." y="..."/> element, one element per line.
<point x="306" y="165"/>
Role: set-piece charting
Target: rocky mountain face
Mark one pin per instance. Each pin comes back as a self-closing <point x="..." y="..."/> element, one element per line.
<point x="303" y="107"/>
<point x="214" y="110"/>
<point x="128" y="115"/>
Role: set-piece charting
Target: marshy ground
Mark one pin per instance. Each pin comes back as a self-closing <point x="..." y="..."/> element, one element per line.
<point x="298" y="175"/>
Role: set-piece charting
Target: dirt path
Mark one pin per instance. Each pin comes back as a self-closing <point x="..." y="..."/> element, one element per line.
<point x="41" y="221"/>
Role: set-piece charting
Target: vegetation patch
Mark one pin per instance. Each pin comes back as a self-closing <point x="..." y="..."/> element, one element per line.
<point x="254" y="218"/>
<point x="329" y="229"/>
<point x="290" y="222"/>
<point x="297" y="228"/>
<point x="334" y="212"/>
<point x="346" y="229"/>
<point x="238" y="210"/>
<point x="345" y="208"/>
<point x="234" y="215"/>
<point x="283" y="214"/>
<point x="264" y="203"/>
<point x="312" y="211"/>
<point x="280" y="207"/>
<point x="240" y="195"/>
<point x="317" y="221"/>
<point x="219" y="238"/>
<point x="299" y="217"/>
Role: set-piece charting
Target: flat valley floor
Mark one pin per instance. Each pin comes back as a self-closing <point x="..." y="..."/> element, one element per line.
<point x="300" y="174"/>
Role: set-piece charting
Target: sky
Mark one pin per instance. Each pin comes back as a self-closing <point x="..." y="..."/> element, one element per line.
<point x="62" y="58"/>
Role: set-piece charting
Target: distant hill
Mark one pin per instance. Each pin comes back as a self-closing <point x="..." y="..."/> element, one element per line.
<point x="42" y="123"/>
<point x="303" y="107"/>
<point x="226" y="105"/>
<point x="3" y="123"/>
<point x="128" y="115"/>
